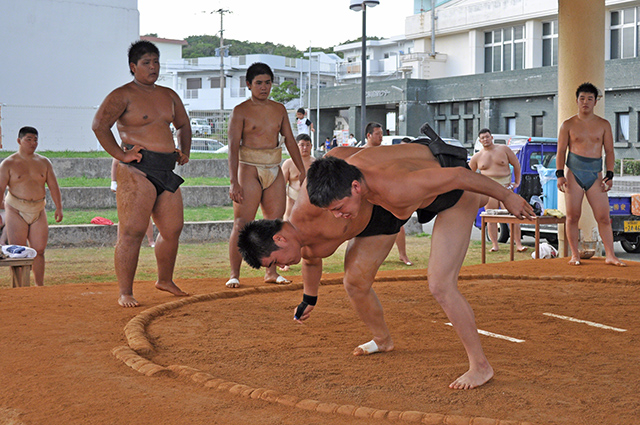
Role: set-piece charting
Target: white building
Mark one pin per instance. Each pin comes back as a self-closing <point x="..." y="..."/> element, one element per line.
<point x="197" y="80"/>
<point x="59" y="61"/>
<point x="383" y="59"/>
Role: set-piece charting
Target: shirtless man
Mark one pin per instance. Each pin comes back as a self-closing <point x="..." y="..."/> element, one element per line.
<point x="393" y="182"/>
<point x="584" y="135"/>
<point x="373" y="132"/>
<point x="147" y="186"/>
<point x="291" y="174"/>
<point x="254" y="162"/>
<point x="493" y="161"/>
<point x="25" y="173"/>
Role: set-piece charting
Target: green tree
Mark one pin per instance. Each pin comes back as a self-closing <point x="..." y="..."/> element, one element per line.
<point x="285" y="92"/>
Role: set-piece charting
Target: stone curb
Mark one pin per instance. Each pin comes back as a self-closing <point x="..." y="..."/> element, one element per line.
<point x="139" y="346"/>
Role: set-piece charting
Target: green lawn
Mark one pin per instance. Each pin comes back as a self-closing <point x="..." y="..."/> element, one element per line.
<point x="106" y="182"/>
<point x="75" y="217"/>
<point x="211" y="260"/>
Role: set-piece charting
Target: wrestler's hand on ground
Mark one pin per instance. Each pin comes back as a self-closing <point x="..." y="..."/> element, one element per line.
<point x="132" y="154"/>
<point x="562" y="184"/>
<point x="182" y="158"/>
<point x="235" y="193"/>
<point x="58" y="216"/>
<point x="305" y="314"/>
<point x="518" y="206"/>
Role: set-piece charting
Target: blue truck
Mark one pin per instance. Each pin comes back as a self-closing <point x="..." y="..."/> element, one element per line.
<point x="536" y="152"/>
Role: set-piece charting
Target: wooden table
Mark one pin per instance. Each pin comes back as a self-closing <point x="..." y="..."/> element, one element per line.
<point x="20" y="270"/>
<point x="511" y="221"/>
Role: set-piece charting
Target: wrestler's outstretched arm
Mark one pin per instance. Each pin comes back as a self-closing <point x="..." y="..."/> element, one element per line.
<point x="427" y="182"/>
<point x="311" y="275"/>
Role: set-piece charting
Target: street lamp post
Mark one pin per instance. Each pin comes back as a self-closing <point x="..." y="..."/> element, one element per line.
<point x="357" y="6"/>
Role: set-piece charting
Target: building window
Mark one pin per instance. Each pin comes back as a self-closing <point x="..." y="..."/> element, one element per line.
<point x="440" y="127"/>
<point x="622" y="127"/>
<point x="455" y="129"/>
<point x="624" y="33"/>
<point x="468" y="131"/>
<point x="455" y="108"/>
<point x="510" y="125"/>
<point x="194" y="83"/>
<point x="468" y="108"/>
<point x="215" y="82"/>
<point x="290" y="62"/>
<point x="550" y="43"/>
<point x="504" y="49"/>
<point x="442" y="109"/>
<point x="536" y="126"/>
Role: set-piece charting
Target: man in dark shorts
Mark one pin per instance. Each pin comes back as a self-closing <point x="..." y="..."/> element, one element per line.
<point x="147" y="185"/>
<point x="398" y="180"/>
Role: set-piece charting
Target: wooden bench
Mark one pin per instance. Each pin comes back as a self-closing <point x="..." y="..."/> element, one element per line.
<point x="511" y="221"/>
<point x="20" y="270"/>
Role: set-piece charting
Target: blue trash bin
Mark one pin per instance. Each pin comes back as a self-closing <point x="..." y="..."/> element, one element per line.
<point x="549" y="183"/>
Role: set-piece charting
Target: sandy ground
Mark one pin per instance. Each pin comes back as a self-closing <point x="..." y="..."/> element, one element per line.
<point x="242" y="360"/>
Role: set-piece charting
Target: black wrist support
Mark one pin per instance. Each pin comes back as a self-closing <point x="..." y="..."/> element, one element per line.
<point x="559" y="173"/>
<point x="608" y="176"/>
<point x="307" y="300"/>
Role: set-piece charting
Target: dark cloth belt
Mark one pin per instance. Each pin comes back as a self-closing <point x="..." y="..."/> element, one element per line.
<point x="158" y="166"/>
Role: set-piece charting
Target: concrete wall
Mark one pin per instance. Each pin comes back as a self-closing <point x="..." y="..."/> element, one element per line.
<point x="59" y="60"/>
<point x="104" y="198"/>
<point x="101" y="167"/>
<point x="106" y="236"/>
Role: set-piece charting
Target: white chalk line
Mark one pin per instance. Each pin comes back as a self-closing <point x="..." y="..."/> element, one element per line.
<point x="586" y="322"/>
<point x="494" y="335"/>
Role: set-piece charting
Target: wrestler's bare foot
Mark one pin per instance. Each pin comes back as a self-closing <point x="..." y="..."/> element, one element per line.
<point x="574" y="261"/>
<point x="372" y="347"/>
<point x="172" y="288"/>
<point x="472" y="379"/>
<point x="406" y="260"/>
<point x="614" y="262"/>
<point x="128" y="301"/>
<point x="278" y="280"/>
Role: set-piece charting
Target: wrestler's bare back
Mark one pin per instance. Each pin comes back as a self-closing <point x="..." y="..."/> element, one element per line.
<point x="586" y="136"/>
<point x="393" y="174"/>
<point x="143" y="115"/>
<point x="26" y="176"/>
<point x="261" y="122"/>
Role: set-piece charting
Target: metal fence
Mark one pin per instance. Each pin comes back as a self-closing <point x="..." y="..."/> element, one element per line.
<point x="219" y="121"/>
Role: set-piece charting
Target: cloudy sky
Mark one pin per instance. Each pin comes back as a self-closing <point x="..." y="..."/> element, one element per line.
<point x="321" y="23"/>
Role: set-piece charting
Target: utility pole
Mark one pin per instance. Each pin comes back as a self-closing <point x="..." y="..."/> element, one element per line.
<point x="222" y="47"/>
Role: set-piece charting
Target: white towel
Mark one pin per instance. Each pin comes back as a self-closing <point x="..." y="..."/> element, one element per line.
<point x="18" y="251"/>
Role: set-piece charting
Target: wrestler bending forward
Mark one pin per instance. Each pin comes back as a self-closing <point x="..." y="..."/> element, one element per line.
<point x="147" y="186"/>
<point x="368" y="198"/>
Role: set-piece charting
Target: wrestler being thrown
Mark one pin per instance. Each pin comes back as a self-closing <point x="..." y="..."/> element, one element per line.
<point x="365" y="198"/>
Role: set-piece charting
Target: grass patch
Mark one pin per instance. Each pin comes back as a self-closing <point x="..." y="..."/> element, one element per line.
<point x="106" y="182"/>
<point x="206" y="261"/>
<point x="76" y="217"/>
